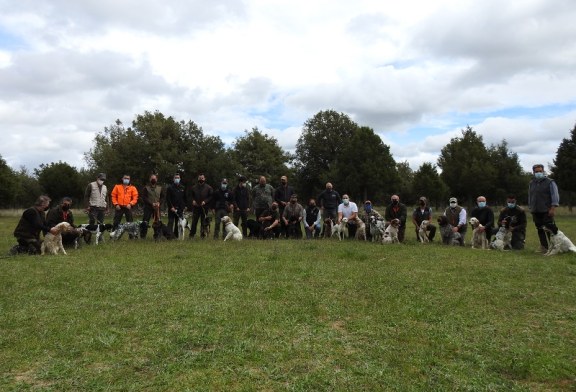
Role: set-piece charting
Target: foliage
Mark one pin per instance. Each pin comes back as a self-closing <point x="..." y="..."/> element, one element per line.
<point x="466" y="166"/>
<point x="50" y="179"/>
<point x="259" y="154"/>
<point x="404" y="186"/>
<point x="509" y="177"/>
<point x="8" y="185"/>
<point x="564" y="169"/>
<point x="427" y="183"/>
<point x="319" y="148"/>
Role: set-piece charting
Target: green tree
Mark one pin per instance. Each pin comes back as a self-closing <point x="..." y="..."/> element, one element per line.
<point x="318" y="149"/>
<point x="260" y="155"/>
<point x="60" y="179"/>
<point x="27" y="189"/>
<point x="404" y="186"/>
<point x="8" y="185"/>
<point x="427" y="182"/>
<point x="564" y="168"/>
<point x="466" y="167"/>
<point x="509" y="176"/>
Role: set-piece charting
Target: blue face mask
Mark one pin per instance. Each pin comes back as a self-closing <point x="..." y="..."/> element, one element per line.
<point x="368" y="208"/>
<point x="539" y="175"/>
<point x="176" y="181"/>
<point x="511" y="205"/>
<point x="345" y="201"/>
<point x="481" y="204"/>
<point x="125" y="181"/>
<point x="223" y="186"/>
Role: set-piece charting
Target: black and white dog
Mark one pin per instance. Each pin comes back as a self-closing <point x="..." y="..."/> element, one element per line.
<point x="95" y="229"/>
<point x="132" y="228"/>
<point x="449" y="236"/>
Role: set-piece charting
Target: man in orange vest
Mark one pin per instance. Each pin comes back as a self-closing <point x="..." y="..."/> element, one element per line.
<point x="124" y="198"/>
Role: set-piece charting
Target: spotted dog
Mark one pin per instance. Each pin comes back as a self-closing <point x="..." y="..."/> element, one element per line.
<point x="391" y="233"/>
<point x="422" y="236"/>
<point x="132" y="228"/>
<point x="502" y="240"/>
<point x="340" y="230"/>
<point x="559" y="243"/>
<point x="449" y="236"/>
<point x="377" y="227"/>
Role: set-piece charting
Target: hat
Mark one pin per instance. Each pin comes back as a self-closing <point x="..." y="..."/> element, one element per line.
<point x="453" y="199"/>
<point x="422" y="199"/>
<point x="367" y="202"/>
<point x="101" y="176"/>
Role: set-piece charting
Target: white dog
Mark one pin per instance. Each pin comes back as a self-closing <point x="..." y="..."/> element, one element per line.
<point x="132" y="228"/>
<point x="422" y="236"/>
<point x="360" y="229"/>
<point x="53" y="242"/>
<point x="232" y="231"/>
<point x="503" y="239"/>
<point x="340" y="230"/>
<point x="391" y="233"/>
<point x="479" y="240"/>
<point x="182" y="224"/>
<point x="559" y="243"/>
<point x="377" y="227"/>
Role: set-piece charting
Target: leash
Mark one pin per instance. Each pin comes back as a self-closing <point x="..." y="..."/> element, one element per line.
<point x="156" y="215"/>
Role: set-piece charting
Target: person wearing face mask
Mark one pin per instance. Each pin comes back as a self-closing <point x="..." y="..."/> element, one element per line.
<point x="241" y="205"/>
<point x="62" y="213"/>
<point x="485" y="216"/>
<point x="397" y="210"/>
<point x="223" y="200"/>
<point x="292" y="215"/>
<point x="124" y="198"/>
<point x="152" y="196"/>
<point x="31" y="224"/>
<point x="96" y="200"/>
<point x="282" y="196"/>
<point x="367" y="214"/>
<point x="270" y="221"/>
<point x="421" y="213"/>
<point x="348" y="209"/>
<point x="543" y="198"/>
<point x="513" y="217"/>
<point x="199" y="202"/>
<point x="312" y="220"/>
<point x="457" y="218"/>
<point x="175" y="202"/>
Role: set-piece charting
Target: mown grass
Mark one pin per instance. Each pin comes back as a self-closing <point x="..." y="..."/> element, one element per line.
<point x="287" y="315"/>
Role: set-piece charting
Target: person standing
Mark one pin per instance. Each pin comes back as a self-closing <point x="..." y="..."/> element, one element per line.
<point x="397" y="210"/>
<point x="152" y="198"/>
<point x="241" y="205"/>
<point x="31" y="223"/>
<point x="423" y="213"/>
<point x="262" y="197"/>
<point x="223" y="200"/>
<point x="200" y="197"/>
<point x="513" y="217"/>
<point x="124" y="198"/>
<point x="96" y="200"/>
<point x="329" y="200"/>
<point x="282" y="196"/>
<point x="175" y="203"/>
<point x="456" y="218"/>
<point x="543" y="198"/>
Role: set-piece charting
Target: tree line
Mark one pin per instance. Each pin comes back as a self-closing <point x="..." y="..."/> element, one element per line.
<point x="331" y="148"/>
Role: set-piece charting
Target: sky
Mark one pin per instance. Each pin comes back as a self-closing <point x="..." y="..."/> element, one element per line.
<point x="416" y="72"/>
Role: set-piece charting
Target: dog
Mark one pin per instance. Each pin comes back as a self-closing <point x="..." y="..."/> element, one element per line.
<point x="377" y="227"/>
<point x="53" y="242"/>
<point x="162" y="231"/>
<point x="502" y="240"/>
<point x="479" y="240"/>
<point x="327" y="228"/>
<point x="232" y="231"/>
<point x="391" y="233"/>
<point x="205" y="226"/>
<point x="422" y="236"/>
<point x="360" y="229"/>
<point x="340" y="230"/>
<point x="559" y="243"/>
<point x="182" y="224"/>
<point x="253" y="228"/>
<point x="95" y="229"/>
<point x="449" y="236"/>
<point x="132" y="228"/>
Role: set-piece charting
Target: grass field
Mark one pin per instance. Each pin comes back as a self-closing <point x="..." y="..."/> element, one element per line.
<point x="203" y="315"/>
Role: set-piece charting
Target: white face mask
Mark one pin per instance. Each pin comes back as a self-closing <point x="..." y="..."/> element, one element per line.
<point x="99" y="182"/>
<point x="176" y="181"/>
<point x="345" y="201"/>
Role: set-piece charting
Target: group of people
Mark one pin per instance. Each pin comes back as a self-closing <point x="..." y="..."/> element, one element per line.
<point x="277" y="211"/>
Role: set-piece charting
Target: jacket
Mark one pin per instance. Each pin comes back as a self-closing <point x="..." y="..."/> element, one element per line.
<point x="122" y="195"/>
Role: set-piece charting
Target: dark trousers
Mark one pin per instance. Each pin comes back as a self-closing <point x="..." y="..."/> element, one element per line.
<point x="173" y="221"/>
<point x="119" y="213"/>
<point x="95" y="215"/>
<point x="147" y="214"/>
<point x="29" y="245"/>
<point x="542" y="219"/>
<point x="219" y="214"/>
<point x="197" y="213"/>
<point x="242" y="214"/>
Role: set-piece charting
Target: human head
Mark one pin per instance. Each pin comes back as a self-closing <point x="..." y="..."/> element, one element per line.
<point x="453" y="202"/>
<point x="262" y="180"/>
<point x="42" y="203"/>
<point x="294" y="198"/>
<point x="284" y="180"/>
<point x="274" y="205"/>
<point x="66" y="201"/>
<point x="312" y="202"/>
<point x="538" y="170"/>
<point x="153" y="178"/>
<point x="395" y="199"/>
<point x="423" y="201"/>
<point x="101" y="176"/>
<point x="242" y="181"/>
<point x="329" y="186"/>
<point x="201" y="178"/>
<point x="224" y="183"/>
<point x="481" y="201"/>
<point x="511" y="201"/>
<point x="368" y="206"/>
<point x="345" y="199"/>
<point x="177" y="178"/>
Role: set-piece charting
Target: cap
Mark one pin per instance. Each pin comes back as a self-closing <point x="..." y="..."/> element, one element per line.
<point x="453" y="199"/>
<point x="101" y="176"/>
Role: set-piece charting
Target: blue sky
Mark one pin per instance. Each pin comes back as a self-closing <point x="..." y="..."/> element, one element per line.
<point x="417" y="72"/>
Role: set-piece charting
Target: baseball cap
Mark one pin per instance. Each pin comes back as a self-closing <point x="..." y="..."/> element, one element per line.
<point x="453" y="199"/>
<point x="101" y="176"/>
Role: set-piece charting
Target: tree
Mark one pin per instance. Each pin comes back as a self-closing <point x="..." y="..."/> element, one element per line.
<point x="8" y="185"/>
<point x="60" y="179"/>
<point x="364" y="167"/>
<point x="318" y="149"/>
<point x="427" y="183"/>
<point x="404" y="186"/>
<point x="509" y="176"/>
<point x="564" y="168"/>
<point x="466" y="167"/>
<point x="260" y="155"/>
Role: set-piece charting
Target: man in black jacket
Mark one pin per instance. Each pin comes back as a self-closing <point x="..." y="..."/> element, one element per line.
<point x="223" y="199"/>
<point x="32" y="222"/>
<point x="175" y="202"/>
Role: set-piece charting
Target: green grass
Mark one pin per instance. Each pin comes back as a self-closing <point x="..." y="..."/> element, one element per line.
<point x="287" y="315"/>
